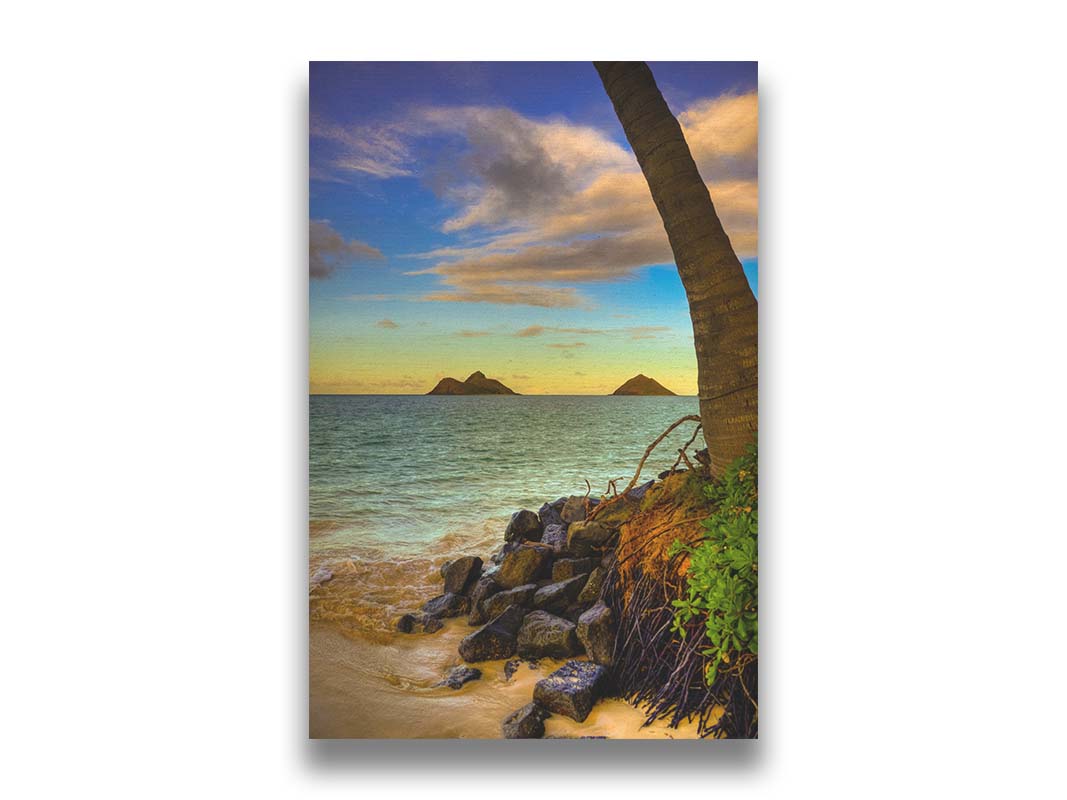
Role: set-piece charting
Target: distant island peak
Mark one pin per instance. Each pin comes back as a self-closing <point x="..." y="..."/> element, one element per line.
<point x="643" y="385"/>
<point x="476" y="383"/>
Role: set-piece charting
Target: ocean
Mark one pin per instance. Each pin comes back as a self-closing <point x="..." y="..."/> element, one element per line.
<point x="400" y="483"/>
<point x="401" y="472"/>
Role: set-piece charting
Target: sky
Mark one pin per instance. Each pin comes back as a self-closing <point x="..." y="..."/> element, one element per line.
<point x="492" y="217"/>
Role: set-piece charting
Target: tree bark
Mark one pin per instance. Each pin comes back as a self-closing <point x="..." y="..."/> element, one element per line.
<point x="721" y="304"/>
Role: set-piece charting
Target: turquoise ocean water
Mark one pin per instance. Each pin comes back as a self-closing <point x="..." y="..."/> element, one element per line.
<point x="405" y="476"/>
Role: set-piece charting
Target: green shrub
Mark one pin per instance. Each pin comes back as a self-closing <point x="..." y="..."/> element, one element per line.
<point x="722" y="579"/>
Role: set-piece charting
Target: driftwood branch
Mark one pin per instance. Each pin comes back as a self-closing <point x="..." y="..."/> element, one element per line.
<point x="686" y="446"/>
<point x="641" y="463"/>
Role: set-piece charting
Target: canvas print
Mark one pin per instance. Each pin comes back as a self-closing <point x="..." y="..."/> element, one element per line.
<point x="533" y="489"/>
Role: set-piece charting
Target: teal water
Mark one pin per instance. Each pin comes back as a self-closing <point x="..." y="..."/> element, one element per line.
<point x="410" y="475"/>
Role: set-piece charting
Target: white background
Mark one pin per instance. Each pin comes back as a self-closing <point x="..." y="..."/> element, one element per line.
<point x="153" y="314"/>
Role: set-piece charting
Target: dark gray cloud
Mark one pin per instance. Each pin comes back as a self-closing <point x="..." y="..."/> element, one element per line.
<point x="328" y="250"/>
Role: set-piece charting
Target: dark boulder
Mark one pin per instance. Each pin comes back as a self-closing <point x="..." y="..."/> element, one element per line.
<point x="519" y="596"/>
<point x="431" y="625"/>
<point x="596" y="630"/>
<point x="522" y="566"/>
<point x="638" y="492"/>
<point x="406" y="623"/>
<point x="447" y="605"/>
<point x="495" y="639"/>
<point x="524" y="526"/>
<point x="507" y="547"/>
<point x="457" y="676"/>
<point x="549" y="515"/>
<point x="510" y="666"/>
<point x="461" y="574"/>
<point x="546" y="635"/>
<point x="555" y="537"/>
<point x="566" y="568"/>
<point x="573" y="509"/>
<point x="526" y="723"/>
<point x="483" y="589"/>
<point x="591" y="591"/>
<point x="557" y="596"/>
<point x="583" y="537"/>
<point x="572" y="689"/>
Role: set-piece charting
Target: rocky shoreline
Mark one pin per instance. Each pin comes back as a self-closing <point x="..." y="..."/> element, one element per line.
<point x="539" y="596"/>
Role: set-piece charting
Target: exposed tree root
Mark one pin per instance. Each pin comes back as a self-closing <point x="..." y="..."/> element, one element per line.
<point x="654" y="666"/>
<point x="657" y="669"/>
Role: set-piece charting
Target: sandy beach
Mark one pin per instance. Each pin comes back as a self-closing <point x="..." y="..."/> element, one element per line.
<point x="383" y="687"/>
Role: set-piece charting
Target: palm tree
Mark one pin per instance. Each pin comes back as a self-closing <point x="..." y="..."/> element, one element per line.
<point x="721" y="304"/>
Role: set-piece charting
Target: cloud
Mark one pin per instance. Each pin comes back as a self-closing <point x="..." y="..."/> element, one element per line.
<point x="647" y="331"/>
<point x="570" y="346"/>
<point x="521" y="294"/>
<point x="538" y="330"/>
<point x="472" y="334"/>
<point x="545" y="205"/>
<point x="375" y="297"/>
<point x="328" y="250"/>
<point x="376" y="150"/>
<point x="581" y="212"/>
<point x="386" y="323"/>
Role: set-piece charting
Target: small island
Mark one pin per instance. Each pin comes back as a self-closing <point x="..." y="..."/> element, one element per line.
<point x="477" y="383"/>
<point x="645" y="386"/>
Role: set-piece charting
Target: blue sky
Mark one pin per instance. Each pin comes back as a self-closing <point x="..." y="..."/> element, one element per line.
<point x="457" y="207"/>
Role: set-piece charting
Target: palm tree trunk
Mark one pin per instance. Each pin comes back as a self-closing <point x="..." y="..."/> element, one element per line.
<point x="721" y="304"/>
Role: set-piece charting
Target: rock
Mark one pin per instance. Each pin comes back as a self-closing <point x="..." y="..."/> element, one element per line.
<point x="510" y="667"/>
<point x="703" y="458"/>
<point x="546" y="635"/>
<point x="572" y="689"/>
<point x="596" y="630"/>
<point x="570" y="567"/>
<point x="519" y="596"/>
<point x="322" y="575"/>
<point x="557" y="596"/>
<point x="457" y="676"/>
<point x="498" y="556"/>
<point x="524" y="526"/>
<point x="638" y="492"/>
<point x="526" y="723"/>
<point x="461" y="574"/>
<point x="431" y="625"/>
<point x="495" y="639"/>
<point x="485" y="588"/>
<point x="555" y="537"/>
<point x="609" y="559"/>
<point x="582" y="537"/>
<point x="549" y="515"/>
<point x="591" y="591"/>
<point x="522" y="566"/>
<point x="668" y="472"/>
<point x="406" y="623"/>
<point x="573" y="509"/>
<point x="447" y="605"/>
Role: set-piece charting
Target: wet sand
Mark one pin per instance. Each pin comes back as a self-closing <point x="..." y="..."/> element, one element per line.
<point x="383" y="689"/>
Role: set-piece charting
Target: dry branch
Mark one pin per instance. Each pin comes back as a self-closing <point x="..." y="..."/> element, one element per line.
<point x="641" y="464"/>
